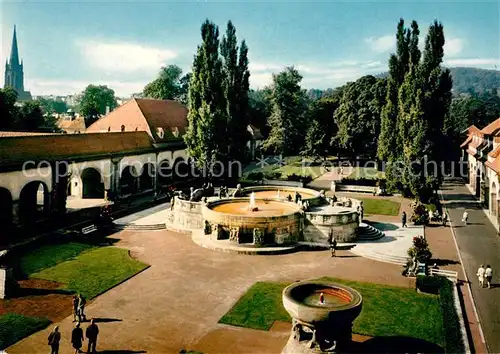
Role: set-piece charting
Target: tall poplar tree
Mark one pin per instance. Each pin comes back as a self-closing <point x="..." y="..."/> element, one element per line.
<point x="236" y="86"/>
<point x="207" y="117"/>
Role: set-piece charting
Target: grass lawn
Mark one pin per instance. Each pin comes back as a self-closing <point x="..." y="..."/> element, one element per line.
<point x="293" y="165"/>
<point x="387" y="311"/>
<point x="366" y="172"/>
<point x="380" y="206"/>
<point x="50" y="255"/>
<point x="94" y="271"/>
<point x="14" y="327"/>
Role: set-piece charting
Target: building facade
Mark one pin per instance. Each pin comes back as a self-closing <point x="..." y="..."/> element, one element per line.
<point x="482" y="151"/>
<point x="14" y="72"/>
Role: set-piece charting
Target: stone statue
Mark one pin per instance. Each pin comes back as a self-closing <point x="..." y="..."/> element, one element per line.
<point x="208" y="228"/>
<point x="196" y="195"/>
<point x="258" y="236"/>
<point x="238" y="193"/>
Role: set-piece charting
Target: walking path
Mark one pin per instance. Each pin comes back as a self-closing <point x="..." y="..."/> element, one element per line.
<point x="478" y="243"/>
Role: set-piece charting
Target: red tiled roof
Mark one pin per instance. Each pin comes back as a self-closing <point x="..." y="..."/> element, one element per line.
<point x="466" y="142"/>
<point x="72" y="126"/>
<point x="495" y="152"/>
<point x="66" y="146"/>
<point x="146" y="115"/>
<point x="495" y="165"/>
<point x="492" y="128"/>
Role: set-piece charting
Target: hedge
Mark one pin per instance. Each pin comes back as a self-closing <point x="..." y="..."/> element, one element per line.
<point x="451" y="324"/>
<point x="360" y="182"/>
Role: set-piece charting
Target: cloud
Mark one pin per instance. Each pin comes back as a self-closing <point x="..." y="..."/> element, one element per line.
<point x="381" y="44"/>
<point x="453" y="46"/>
<point x="489" y="63"/>
<point x="123" y="57"/>
<point x="42" y="87"/>
<point x="317" y="75"/>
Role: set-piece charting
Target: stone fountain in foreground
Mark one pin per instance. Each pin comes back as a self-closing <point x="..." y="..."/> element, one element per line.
<point x="322" y="316"/>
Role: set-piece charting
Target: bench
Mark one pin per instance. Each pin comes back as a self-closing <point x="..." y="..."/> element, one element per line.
<point x="268" y="182"/>
<point x="89" y="229"/>
<point x="355" y="188"/>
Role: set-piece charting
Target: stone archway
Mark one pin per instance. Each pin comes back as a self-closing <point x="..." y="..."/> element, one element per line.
<point x="33" y="202"/>
<point x="5" y="208"/>
<point x="147" y="179"/>
<point x="164" y="173"/>
<point x="493" y="200"/>
<point x="180" y="169"/>
<point x="92" y="185"/>
<point x="128" y="180"/>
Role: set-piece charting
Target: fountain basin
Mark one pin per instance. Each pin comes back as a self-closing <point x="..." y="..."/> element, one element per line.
<point x="270" y="192"/>
<point x="272" y="223"/>
<point x="298" y="300"/>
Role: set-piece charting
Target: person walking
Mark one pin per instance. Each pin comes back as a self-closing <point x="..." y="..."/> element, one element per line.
<point x="81" y="308"/>
<point x="445" y="219"/>
<point x="465" y="216"/>
<point x="403" y="219"/>
<point x="91" y="334"/>
<point x="54" y="338"/>
<point x="488" y="273"/>
<point x="75" y="308"/>
<point x="333" y="244"/>
<point x="77" y="338"/>
<point x="480" y="275"/>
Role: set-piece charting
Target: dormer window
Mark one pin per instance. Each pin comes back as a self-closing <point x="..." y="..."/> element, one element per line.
<point x="160" y="132"/>
<point x="175" y="131"/>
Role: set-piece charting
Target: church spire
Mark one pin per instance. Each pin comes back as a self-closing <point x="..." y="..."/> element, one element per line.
<point x="14" y="52"/>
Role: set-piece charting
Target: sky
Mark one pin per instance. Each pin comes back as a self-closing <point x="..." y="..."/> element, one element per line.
<point x="67" y="45"/>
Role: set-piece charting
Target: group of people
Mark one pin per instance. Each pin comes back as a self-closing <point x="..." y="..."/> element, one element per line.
<point x="77" y="338"/>
<point x="484" y="276"/>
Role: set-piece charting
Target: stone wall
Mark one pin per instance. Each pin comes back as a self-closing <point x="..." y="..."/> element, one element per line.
<point x="186" y="215"/>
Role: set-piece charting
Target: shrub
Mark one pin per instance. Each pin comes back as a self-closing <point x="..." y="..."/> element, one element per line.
<point x="420" y="215"/>
<point x="420" y="250"/>
<point x="272" y="175"/>
<point x="360" y="181"/>
<point x="255" y="176"/>
<point x="451" y="324"/>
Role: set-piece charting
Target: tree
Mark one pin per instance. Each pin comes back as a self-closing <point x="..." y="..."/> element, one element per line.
<point x="50" y="105"/>
<point x="8" y="110"/>
<point x="167" y="86"/>
<point x="358" y="116"/>
<point x="182" y="97"/>
<point x="93" y="102"/>
<point x="322" y="129"/>
<point x="205" y="136"/>
<point x="288" y="112"/>
<point x="259" y="108"/>
<point x="236" y="86"/>
<point x="31" y="117"/>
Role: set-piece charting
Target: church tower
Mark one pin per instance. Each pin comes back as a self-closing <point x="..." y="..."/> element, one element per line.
<point x="14" y="74"/>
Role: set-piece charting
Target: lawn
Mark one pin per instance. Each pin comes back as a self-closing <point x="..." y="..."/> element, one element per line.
<point x="387" y="311"/>
<point x="290" y="165"/>
<point x="50" y="255"/>
<point x="380" y="206"/>
<point x="14" y="327"/>
<point x="94" y="271"/>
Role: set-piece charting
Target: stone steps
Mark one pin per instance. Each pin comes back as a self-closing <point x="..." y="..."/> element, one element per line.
<point x="136" y="227"/>
<point x="380" y="256"/>
<point x="367" y="232"/>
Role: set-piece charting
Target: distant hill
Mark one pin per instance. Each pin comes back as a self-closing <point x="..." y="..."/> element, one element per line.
<point x="467" y="80"/>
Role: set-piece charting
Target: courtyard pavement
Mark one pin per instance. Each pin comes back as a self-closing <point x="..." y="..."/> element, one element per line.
<point x="478" y="243"/>
<point x="177" y="302"/>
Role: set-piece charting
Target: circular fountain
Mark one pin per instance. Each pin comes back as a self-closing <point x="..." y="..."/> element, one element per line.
<point x="312" y="196"/>
<point x="254" y="222"/>
<point x="322" y="316"/>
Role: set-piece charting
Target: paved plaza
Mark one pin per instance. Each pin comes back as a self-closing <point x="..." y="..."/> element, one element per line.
<point x="177" y="302"/>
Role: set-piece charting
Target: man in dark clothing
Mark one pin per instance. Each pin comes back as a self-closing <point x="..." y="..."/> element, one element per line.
<point x="333" y="243"/>
<point x="91" y="334"/>
<point x="77" y="338"/>
<point x="54" y="338"/>
<point x="403" y="219"/>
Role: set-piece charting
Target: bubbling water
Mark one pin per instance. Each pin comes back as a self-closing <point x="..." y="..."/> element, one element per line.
<point x="328" y="300"/>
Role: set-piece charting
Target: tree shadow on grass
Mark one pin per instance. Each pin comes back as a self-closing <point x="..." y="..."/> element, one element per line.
<point x="395" y="345"/>
<point x="23" y="292"/>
